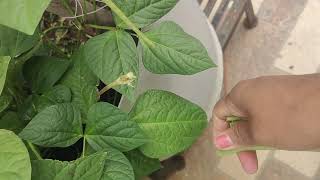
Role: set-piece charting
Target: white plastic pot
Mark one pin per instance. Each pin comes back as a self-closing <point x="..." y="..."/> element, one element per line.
<point x="203" y="88"/>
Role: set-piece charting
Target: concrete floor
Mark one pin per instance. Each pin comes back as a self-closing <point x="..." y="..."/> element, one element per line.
<point x="286" y="41"/>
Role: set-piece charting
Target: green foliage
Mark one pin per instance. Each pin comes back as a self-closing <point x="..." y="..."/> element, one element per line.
<point x="28" y="12"/>
<point x="27" y="109"/>
<point x="55" y="126"/>
<point x="53" y="102"/>
<point x="5" y="100"/>
<point x="117" y="166"/>
<point x="47" y="169"/>
<point x="107" y="165"/>
<point x="14" y="157"/>
<point x="171" y="122"/>
<point x="14" y="43"/>
<point x="111" y="55"/>
<point x="57" y="95"/>
<point x="143" y="13"/>
<point x="42" y="72"/>
<point x="11" y="121"/>
<point x="4" y="63"/>
<point x="108" y="126"/>
<point x="36" y="103"/>
<point x="174" y="51"/>
<point x="141" y="164"/>
<point x="84" y="168"/>
<point x="82" y="82"/>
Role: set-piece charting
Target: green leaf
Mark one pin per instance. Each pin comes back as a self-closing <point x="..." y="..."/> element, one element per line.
<point x="117" y="166"/>
<point x="57" y="95"/>
<point x="14" y="43"/>
<point x="42" y="72"/>
<point x="171" y="122"/>
<point x="5" y="100"/>
<point x="89" y="150"/>
<point x="143" y="13"/>
<point x="82" y="82"/>
<point x="15" y="84"/>
<point x="108" y="126"/>
<point x="14" y="157"/>
<point x="23" y="16"/>
<point x="34" y="151"/>
<point x="35" y="103"/>
<point x="173" y="51"/>
<point x="44" y="50"/>
<point x="27" y="110"/>
<point x="108" y="165"/>
<point x="142" y="165"/>
<point x="56" y="126"/>
<point x="10" y="121"/>
<point x="111" y="55"/>
<point x="47" y="169"/>
<point x="90" y="167"/>
<point x="4" y="63"/>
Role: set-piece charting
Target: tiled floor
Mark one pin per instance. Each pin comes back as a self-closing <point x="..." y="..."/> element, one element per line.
<point x="286" y="41"/>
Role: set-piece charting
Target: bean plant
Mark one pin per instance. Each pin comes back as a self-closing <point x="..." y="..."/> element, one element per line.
<point x="55" y="71"/>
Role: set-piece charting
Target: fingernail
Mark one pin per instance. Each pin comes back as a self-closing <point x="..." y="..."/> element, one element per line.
<point x="250" y="167"/>
<point x="223" y="141"/>
<point x="249" y="162"/>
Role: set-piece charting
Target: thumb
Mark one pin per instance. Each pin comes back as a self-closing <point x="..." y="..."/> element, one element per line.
<point x="238" y="135"/>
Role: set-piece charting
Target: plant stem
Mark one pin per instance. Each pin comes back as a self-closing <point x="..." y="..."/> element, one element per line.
<point x="13" y="94"/>
<point x="105" y="89"/>
<point x="69" y="9"/>
<point x="19" y="62"/>
<point x="34" y="150"/>
<point x="133" y="34"/>
<point x="83" y="147"/>
<point x="233" y="118"/>
<point x="29" y="54"/>
<point x="85" y="9"/>
<point x="237" y="150"/>
<point x="115" y="98"/>
<point x="95" y="14"/>
<point x="88" y="36"/>
<point x="128" y="22"/>
<point x="101" y="27"/>
<point x="53" y="28"/>
<point x="61" y="36"/>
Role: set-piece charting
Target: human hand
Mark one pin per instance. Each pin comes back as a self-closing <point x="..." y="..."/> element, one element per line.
<point x="279" y="111"/>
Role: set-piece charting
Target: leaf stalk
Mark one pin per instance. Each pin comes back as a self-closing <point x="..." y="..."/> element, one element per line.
<point x="83" y="147"/>
<point x="128" y="22"/>
<point x="34" y="150"/>
<point x="101" y="27"/>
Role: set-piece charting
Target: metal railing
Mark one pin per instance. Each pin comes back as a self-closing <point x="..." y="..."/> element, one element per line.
<point x="225" y="15"/>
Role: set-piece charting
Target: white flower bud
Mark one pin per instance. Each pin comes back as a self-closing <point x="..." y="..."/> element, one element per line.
<point x="126" y="79"/>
